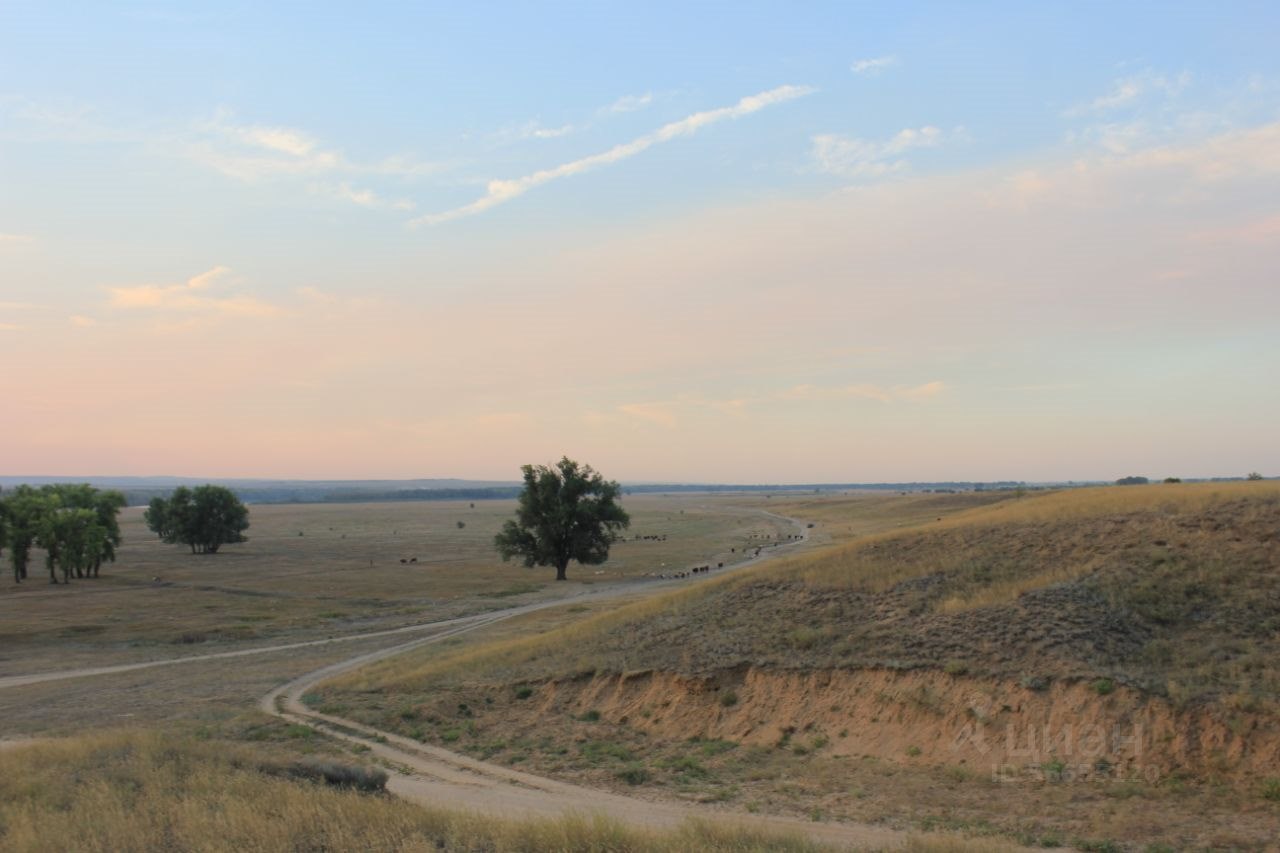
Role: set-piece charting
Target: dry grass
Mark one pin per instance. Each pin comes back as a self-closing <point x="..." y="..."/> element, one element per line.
<point x="310" y="571"/>
<point x="121" y="792"/>
<point x="581" y="646"/>
<point x="1173" y="589"/>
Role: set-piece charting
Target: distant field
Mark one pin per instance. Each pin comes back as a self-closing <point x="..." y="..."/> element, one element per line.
<point x="316" y="570"/>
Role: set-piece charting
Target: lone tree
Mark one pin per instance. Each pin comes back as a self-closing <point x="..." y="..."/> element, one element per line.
<point x="205" y="518"/>
<point x="566" y="512"/>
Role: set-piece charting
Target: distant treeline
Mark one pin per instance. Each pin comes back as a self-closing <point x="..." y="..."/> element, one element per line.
<point x="140" y="491"/>
<point x="307" y="494"/>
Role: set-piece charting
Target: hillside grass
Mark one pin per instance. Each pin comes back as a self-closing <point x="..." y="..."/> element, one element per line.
<point x="118" y="792"/>
<point x="1172" y="588"/>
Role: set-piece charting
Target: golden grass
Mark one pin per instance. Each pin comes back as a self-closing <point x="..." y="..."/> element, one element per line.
<point x="990" y="555"/>
<point x="859" y="565"/>
<point x="129" y="791"/>
<point x="575" y="648"/>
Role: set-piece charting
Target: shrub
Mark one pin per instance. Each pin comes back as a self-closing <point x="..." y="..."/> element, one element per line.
<point x="1103" y="686"/>
<point x="634" y="773"/>
<point x="728" y="699"/>
<point x="1271" y="789"/>
<point x="371" y="779"/>
<point x="524" y="691"/>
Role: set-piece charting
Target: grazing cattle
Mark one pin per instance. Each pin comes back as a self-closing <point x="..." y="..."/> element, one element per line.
<point x="413" y="559"/>
<point x="719" y="565"/>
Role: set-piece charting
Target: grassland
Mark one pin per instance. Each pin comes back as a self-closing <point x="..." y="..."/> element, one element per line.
<point x="1160" y="601"/>
<point x="314" y="571"/>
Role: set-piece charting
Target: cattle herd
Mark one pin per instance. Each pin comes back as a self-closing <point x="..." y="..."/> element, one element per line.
<point x="698" y="570"/>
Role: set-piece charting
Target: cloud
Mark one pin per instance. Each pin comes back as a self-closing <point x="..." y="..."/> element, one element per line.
<point x="253" y="153"/>
<point x="1128" y="91"/>
<point x="501" y="191"/>
<point x="851" y="157"/>
<point x="191" y="297"/>
<point x="630" y="103"/>
<point x="551" y="132"/>
<point x="873" y="66"/>
<point x="9" y="327"/>
<point x="81" y="321"/>
<point x="657" y="413"/>
<point x="363" y="197"/>
<point x="865" y="390"/>
<point x="16" y="240"/>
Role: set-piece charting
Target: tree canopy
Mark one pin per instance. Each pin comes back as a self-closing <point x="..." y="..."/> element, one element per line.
<point x="204" y="518"/>
<point x="566" y="512"/>
<point x="74" y="523"/>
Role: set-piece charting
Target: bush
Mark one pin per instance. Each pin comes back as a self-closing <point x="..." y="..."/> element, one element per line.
<point x="728" y="699"/>
<point x="1103" y="686"/>
<point x="633" y="774"/>
<point x="369" y="779"/>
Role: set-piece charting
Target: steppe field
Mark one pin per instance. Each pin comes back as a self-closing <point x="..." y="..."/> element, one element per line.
<point x="1091" y="669"/>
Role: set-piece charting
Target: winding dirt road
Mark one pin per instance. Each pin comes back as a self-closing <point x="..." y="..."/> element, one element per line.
<point x="438" y="777"/>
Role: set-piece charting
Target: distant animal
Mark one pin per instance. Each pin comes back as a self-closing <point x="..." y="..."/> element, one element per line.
<point x="403" y="561"/>
<point x="413" y="559"/>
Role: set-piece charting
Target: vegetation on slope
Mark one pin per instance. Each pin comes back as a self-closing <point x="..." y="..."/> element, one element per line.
<point x="1174" y="590"/>
<point x="127" y="791"/>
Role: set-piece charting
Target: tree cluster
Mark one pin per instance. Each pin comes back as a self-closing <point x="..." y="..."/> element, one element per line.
<point x="204" y="518"/>
<point x="75" y="524"/>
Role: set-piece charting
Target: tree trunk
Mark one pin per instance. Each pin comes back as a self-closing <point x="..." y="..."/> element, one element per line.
<point x="560" y="567"/>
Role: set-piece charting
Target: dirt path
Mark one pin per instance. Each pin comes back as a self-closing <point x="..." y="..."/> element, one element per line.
<point x="435" y="776"/>
<point x="616" y="591"/>
<point x="438" y="777"/>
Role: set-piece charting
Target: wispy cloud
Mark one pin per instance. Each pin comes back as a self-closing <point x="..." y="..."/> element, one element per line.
<point x="1127" y="91"/>
<point x="657" y="413"/>
<point x="9" y="327"/>
<point x="630" y="103"/>
<point x="82" y="322"/>
<point x="851" y="157"/>
<point x="501" y="191"/>
<point x="865" y="390"/>
<point x="363" y="197"/>
<point x="874" y="65"/>
<point x="253" y="153"/>
<point x="16" y="240"/>
<point x="197" y="295"/>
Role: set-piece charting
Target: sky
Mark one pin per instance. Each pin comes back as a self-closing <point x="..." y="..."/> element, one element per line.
<point x="699" y="242"/>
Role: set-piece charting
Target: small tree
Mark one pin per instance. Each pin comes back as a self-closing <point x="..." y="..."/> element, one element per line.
<point x="23" y="507"/>
<point x="204" y="518"/>
<point x="566" y="512"/>
<point x="1254" y="475"/>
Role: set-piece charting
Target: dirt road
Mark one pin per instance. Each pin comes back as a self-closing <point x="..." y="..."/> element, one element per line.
<point x="438" y="777"/>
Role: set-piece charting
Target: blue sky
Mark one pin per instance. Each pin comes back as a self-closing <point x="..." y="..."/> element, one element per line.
<point x="730" y="241"/>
